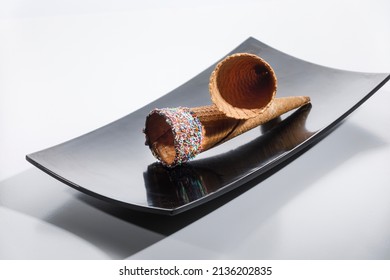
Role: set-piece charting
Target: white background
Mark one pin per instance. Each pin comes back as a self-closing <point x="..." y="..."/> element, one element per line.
<point x="68" y="67"/>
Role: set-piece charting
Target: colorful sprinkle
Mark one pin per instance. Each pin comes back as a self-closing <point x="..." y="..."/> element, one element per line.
<point x="187" y="132"/>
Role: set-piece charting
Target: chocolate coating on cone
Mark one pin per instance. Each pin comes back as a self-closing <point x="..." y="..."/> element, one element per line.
<point x="242" y="85"/>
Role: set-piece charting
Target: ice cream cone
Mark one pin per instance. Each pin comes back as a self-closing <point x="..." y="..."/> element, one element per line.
<point x="242" y="85"/>
<point x="176" y="135"/>
<point x="242" y="89"/>
<point x="217" y="131"/>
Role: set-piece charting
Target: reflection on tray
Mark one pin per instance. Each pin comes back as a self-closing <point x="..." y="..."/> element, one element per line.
<point x="189" y="182"/>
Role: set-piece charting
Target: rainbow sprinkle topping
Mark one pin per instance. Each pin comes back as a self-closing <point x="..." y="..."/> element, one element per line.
<point x="187" y="132"/>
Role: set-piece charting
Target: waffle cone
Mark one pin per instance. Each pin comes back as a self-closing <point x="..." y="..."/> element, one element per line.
<point x="216" y="127"/>
<point x="242" y="88"/>
<point x="219" y="130"/>
<point x="242" y="85"/>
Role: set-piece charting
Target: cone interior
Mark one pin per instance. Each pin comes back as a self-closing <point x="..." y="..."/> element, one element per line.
<point x="160" y="138"/>
<point x="246" y="82"/>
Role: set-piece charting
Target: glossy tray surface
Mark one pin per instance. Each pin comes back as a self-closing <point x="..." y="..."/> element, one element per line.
<point x="112" y="163"/>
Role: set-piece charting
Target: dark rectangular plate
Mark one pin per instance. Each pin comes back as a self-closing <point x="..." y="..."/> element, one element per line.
<point x="112" y="163"/>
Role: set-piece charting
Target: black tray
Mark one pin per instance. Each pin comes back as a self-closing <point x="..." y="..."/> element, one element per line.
<point x="112" y="163"/>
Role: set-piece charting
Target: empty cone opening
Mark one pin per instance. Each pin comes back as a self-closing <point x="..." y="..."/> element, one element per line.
<point x="174" y="135"/>
<point x="243" y="85"/>
<point x="160" y="138"/>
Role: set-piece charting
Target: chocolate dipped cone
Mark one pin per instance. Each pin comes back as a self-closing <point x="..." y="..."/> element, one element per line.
<point x="176" y="135"/>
